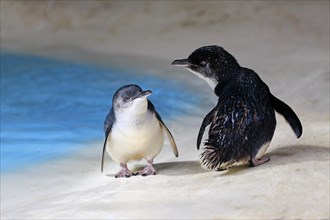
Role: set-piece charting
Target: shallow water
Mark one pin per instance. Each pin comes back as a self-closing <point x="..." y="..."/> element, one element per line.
<point x="51" y="107"/>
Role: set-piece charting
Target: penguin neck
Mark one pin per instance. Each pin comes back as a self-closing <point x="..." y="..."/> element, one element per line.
<point x="138" y="111"/>
<point x="222" y="80"/>
<point x="212" y="82"/>
<point x="218" y="80"/>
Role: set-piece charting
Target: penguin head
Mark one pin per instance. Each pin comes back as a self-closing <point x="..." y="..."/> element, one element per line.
<point x="209" y="63"/>
<point x="130" y="97"/>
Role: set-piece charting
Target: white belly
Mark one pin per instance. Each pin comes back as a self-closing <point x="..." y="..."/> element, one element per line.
<point x="130" y="141"/>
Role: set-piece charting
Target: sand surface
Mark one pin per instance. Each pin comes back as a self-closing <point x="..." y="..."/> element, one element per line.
<point x="286" y="43"/>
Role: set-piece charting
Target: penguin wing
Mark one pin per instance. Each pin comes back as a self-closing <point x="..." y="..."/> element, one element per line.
<point x="205" y="123"/>
<point x="289" y="115"/>
<point x="108" y="123"/>
<point x="168" y="133"/>
<point x="170" y="137"/>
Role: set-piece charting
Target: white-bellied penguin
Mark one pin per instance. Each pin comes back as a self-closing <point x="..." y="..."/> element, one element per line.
<point x="134" y="130"/>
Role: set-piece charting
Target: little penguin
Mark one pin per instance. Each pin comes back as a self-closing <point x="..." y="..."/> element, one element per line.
<point x="134" y="130"/>
<point x="243" y="121"/>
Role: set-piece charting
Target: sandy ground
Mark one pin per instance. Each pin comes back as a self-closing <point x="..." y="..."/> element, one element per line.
<point x="287" y="43"/>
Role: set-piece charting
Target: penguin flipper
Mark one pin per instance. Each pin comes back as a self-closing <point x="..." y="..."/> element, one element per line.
<point x="108" y="123"/>
<point x="205" y="123"/>
<point x="289" y="115"/>
<point x="103" y="151"/>
<point x="151" y="108"/>
<point x="171" y="139"/>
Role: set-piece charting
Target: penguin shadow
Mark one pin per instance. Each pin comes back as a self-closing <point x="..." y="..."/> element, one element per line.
<point x="291" y="154"/>
<point x="179" y="168"/>
<point x="298" y="154"/>
<point x="172" y="168"/>
<point x="110" y="175"/>
<point x="279" y="156"/>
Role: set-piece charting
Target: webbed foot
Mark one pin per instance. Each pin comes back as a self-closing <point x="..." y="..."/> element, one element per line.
<point x="256" y="162"/>
<point x="148" y="170"/>
<point x="124" y="172"/>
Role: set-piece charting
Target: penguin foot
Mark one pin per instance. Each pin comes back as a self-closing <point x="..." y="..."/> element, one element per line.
<point x="256" y="162"/>
<point x="148" y="170"/>
<point x="124" y="172"/>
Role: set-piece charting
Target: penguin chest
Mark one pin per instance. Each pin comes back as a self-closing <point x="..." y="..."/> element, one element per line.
<point x="134" y="140"/>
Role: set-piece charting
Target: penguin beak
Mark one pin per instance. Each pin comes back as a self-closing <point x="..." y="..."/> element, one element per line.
<point x="144" y="94"/>
<point x="181" y="62"/>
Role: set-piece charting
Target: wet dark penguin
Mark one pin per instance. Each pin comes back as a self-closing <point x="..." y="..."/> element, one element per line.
<point x="243" y="121"/>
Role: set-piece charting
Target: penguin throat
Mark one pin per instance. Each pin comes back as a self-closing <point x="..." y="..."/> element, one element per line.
<point x="211" y="81"/>
<point x="138" y="109"/>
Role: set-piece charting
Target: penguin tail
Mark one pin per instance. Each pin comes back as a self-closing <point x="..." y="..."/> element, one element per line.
<point x="220" y="158"/>
<point x="289" y="115"/>
<point x="210" y="157"/>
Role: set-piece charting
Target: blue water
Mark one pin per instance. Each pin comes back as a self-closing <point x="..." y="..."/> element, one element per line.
<point x="51" y="107"/>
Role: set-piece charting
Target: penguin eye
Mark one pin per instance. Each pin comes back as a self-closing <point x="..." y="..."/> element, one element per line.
<point x="203" y="63"/>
